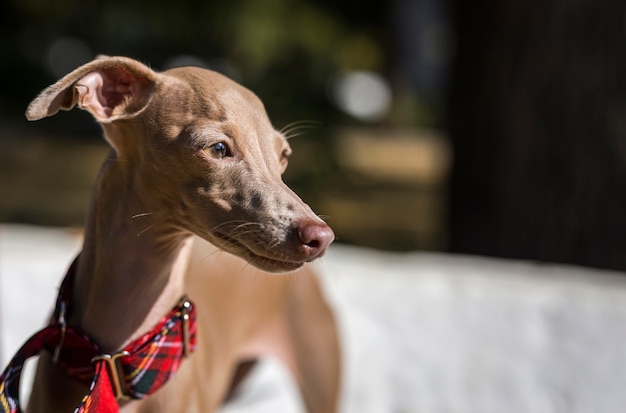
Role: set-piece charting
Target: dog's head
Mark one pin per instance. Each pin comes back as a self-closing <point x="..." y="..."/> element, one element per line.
<point x="202" y="153"/>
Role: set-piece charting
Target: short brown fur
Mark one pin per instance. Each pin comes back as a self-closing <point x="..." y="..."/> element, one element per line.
<point x="166" y="193"/>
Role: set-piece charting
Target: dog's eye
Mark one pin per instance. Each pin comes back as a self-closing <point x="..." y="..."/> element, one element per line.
<point x="218" y="150"/>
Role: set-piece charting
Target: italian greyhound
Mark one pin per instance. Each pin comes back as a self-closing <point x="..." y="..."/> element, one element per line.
<point x="191" y="195"/>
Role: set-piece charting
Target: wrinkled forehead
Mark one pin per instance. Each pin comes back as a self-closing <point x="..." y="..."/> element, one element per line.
<point x="216" y="98"/>
<point x="217" y="94"/>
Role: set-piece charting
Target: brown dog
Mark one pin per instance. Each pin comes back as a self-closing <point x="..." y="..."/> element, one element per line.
<point x="193" y="153"/>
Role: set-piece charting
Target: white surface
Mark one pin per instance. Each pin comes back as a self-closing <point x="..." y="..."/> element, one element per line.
<point x="421" y="332"/>
<point x="32" y="262"/>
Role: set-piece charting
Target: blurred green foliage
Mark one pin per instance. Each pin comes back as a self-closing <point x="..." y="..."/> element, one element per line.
<point x="287" y="51"/>
<point x="291" y="53"/>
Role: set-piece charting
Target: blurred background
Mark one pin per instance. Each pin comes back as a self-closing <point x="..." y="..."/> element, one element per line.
<point x="491" y="128"/>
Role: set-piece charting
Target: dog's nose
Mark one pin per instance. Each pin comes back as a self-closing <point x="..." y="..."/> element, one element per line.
<point x="315" y="237"/>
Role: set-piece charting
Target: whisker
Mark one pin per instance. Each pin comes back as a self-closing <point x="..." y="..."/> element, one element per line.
<point x="302" y="123"/>
<point x="245" y="266"/>
<point x="224" y="224"/>
<point x="272" y="254"/>
<point x="141" y="215"/>
<point x="152" y="226"/>
<point x="276" y="241"/>
<point x="297" y="123"/>
<point x="294" y="129"/>
<point x="294" y="135"/>
<point x="231" y="227"/>
<point x="241" y="233"/>
<point x="296" y="132"/>
<point x="247" y="224"/>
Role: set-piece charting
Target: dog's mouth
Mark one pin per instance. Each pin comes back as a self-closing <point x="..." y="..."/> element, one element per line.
<point x="265" y="263"/>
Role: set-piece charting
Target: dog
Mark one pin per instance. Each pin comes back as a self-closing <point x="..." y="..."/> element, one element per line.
<point x="191" y="201"/>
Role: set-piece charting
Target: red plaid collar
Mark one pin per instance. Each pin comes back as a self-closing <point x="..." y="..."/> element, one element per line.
<point x="136" y="371"/>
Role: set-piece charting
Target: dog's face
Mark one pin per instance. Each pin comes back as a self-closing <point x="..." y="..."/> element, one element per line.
<point x="203" y="153"/>
<point x="229" y="190"/>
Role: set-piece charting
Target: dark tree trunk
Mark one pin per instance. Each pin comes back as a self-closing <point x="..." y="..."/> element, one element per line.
<point x="538" y="123"/>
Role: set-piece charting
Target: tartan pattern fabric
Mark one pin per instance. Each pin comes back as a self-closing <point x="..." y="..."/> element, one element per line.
<point x="147" y="363"/>
<point x="99" y="397"/>
<point x="10" y="378"/>
<point x="154" y="358"/>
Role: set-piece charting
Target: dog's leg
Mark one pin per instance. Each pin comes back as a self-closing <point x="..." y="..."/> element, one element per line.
<point x="315" y="344"/>
<point x="242" y="371"/>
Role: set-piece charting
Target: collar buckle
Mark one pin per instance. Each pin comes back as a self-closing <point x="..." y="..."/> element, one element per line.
<point x="184" y="308"/>
<point x="116" y="374"/>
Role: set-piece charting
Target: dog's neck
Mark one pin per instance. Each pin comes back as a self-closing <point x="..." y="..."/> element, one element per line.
<point x="131" y="270"/>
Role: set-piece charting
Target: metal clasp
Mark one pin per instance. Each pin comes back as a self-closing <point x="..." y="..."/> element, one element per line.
<point x="116" y="373"/>
<point x="61" y="320"/>
<point x="185" y="309"/>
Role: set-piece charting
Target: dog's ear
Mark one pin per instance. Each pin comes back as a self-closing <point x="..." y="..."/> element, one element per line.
<point x="109" y="88"/>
